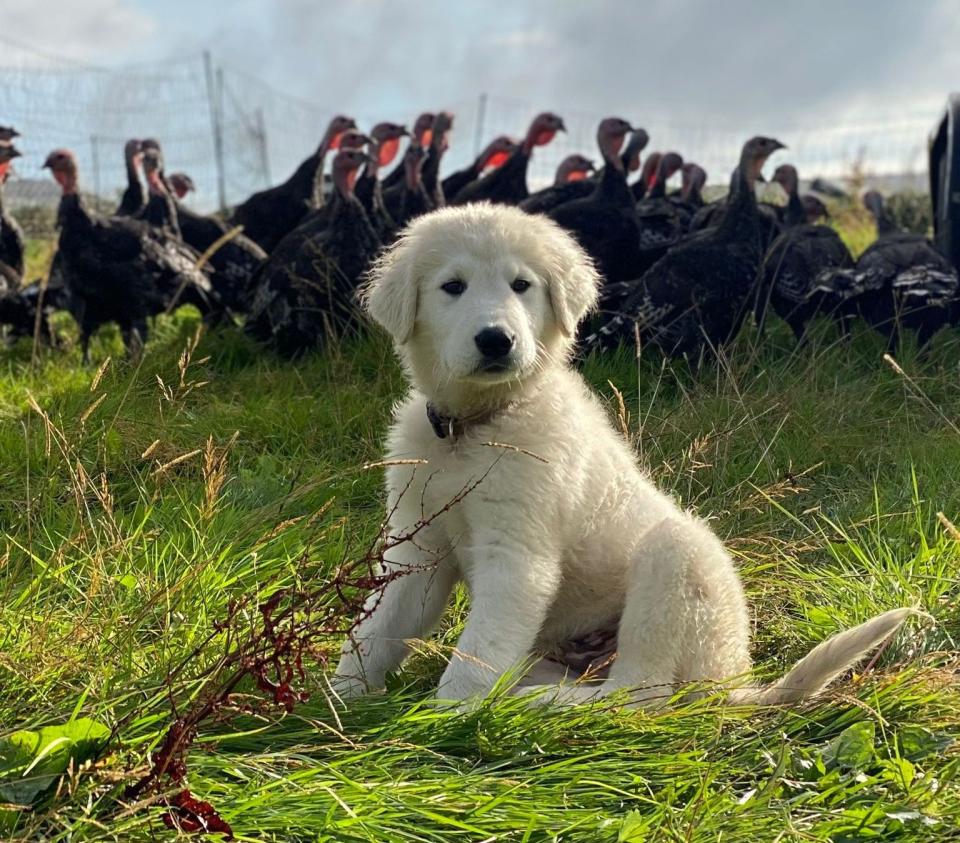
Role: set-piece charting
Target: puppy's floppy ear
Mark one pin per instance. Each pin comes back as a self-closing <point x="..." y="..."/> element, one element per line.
<point x="390" y="292"/>
<point x="574" y="282"/>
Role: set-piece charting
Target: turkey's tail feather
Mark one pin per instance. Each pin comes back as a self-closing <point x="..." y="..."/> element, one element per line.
<point x="824" y="663"/>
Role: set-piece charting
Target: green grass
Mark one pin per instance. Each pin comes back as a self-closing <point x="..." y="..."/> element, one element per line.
<point x="823" y="469"/>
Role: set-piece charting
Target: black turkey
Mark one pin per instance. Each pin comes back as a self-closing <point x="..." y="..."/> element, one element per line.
<point x="605" y="222"/>
<point x="421" y="135"/>
<point x="695" y="297"/>
<point x="11" y="236"/>
<point x="271" y="214"/>
<point x="382" y="149"/>
<point x="439" y="143"/>
<point x="305" y="291"/>
<point x="119" y="269"/>
<point x="900" y="282"/>
<point x="133" y="198"/>
<point x="493" y="156"/>
<point x="408" y="199"/>
<point x="508" y="184"/>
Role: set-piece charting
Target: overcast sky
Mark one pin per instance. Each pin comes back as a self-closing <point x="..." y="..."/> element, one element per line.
<point x="718" y="61"/>
<point x="736" y="66"/>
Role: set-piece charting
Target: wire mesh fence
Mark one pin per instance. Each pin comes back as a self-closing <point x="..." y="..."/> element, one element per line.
<point x="235" y="134"/>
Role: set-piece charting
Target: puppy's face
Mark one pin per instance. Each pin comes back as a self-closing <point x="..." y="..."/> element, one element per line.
<point x="481" y="295"/>
<point x="481" y="318"/>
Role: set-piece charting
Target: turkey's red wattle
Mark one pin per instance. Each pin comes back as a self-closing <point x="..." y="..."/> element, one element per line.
<point x="388" y="151"/>
<point x="497" y="159"/>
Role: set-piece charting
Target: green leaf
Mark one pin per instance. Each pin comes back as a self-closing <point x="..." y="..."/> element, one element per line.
<point x="632" y="829"/>
<point x="128" y="581"/>
<point x="917" y="742"/>
<point x="30" y="762"/>
<point x="853" y="748"/>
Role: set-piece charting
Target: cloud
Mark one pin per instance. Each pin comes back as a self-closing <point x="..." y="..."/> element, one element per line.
<point x="94" y="31"/>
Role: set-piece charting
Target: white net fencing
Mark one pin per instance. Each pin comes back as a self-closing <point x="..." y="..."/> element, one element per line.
<point x="187" y="103"/>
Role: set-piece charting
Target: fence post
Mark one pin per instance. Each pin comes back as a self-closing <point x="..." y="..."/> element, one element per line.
<point x="216" y="113"/>
<point x="262" y="142"/>
<point x="95" y="160"/>
<point x="478" y="136"/>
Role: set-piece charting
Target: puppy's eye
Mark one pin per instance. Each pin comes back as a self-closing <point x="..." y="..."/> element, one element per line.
<point x="520" y="285"/>
<point x="455" y="287"/>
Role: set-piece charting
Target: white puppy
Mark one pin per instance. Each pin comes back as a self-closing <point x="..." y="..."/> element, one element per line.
<point x="560" y="534"/>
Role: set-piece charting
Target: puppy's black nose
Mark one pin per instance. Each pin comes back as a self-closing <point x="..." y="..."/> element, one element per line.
<point x="494" y="343"/>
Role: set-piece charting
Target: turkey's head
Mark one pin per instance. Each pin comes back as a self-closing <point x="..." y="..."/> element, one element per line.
<point x="386" y="141"/>
<point x="62" y="163"/>
<point x="7" y="153"/>
<point x="182" y="184"/>
<point x="573" y="168"/>
<point x="423" y="128"/>
<point x="346" y="165"/>
<point x="755" y="153"/>
<point x="542" y="130"/>
<point x="631" y="155"/>
<point x="611" y="133"/>
<point x="786" y="176"/>
<point x="131" y="151"/>
<point x="152" y="169"/>
<point x="694" y="178"/>
<point x="440" y="131"/>
<point x="335" y="129"/>
<point x="497" y="152"/>
<point x="648" y="175"/>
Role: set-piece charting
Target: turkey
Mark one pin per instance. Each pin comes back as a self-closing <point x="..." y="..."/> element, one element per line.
<point x="235" y="259"/>
<point x="813" y="208"/>
<point x="605" y="222"/>
<point x="160" y="211"/>
<point x="569" y="183"/>
<point x="384" y="142"/>
<point x="793" y="213"/>
<point x="182" y="184"/>
<point x="794" y="263"/>
<point x="27" y="309"/>
<point x="305" y="290"/>
<point x="409" y="199"/>
<point x="690" y="198"/>
<point x="133" y="199"/>
<point x="648" y="175"/>
<point x="900" y="282"/>
<point x="636" y="143"/>
<point x="118" y="269"/>
<point x="573" y="168"/>
<point x="494" y="155"/>
<point x="566" y="189"/>
<point x="421" y="135"/>
<point x="270" y="214"/>
<point x="660" y="223"/>
<point x="695" y="296"/>
<point x="508" y="184"/>
<point x="11" y="237"/>
<point x="439" y="143"/>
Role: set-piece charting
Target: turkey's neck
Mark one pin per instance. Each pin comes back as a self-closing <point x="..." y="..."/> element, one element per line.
<point x="741" y="214"/>
<point x="795" y="213"/>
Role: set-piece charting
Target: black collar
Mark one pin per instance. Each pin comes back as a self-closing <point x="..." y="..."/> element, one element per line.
<point x="442" y="425"/>
<point x="448" y="426"/>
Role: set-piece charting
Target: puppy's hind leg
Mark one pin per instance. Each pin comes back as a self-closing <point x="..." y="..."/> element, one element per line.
<point x="685" y="617"/>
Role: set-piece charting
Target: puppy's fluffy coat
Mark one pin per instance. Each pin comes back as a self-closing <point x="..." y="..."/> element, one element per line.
<point x="563" y="533"/>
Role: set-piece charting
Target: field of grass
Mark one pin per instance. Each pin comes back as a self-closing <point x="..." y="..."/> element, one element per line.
<point x="139" y="504"/>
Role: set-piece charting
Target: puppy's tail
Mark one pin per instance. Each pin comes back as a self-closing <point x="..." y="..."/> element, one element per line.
<point x="824" y="663"/>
